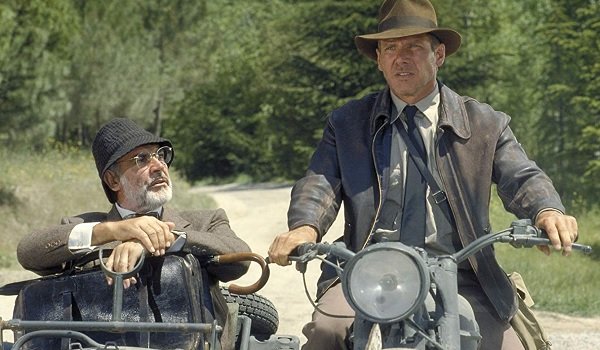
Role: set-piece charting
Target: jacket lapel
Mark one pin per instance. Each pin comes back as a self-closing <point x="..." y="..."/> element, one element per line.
<point x="168" y="215"/>
<point x="113" y="214"/>
<point x="452" y="113"/>
<point x="173" y="216"/>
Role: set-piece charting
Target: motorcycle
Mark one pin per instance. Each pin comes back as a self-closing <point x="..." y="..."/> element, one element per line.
<point x="403" y="297"/>
<point x="172" y="314"/>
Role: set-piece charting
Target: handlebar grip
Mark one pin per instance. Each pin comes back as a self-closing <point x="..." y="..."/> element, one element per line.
<point x="586" y="249"/>
<point x="542" y="239"/>
<point x="302" y="249"/>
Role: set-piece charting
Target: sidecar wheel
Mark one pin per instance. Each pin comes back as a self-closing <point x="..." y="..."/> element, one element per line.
<point x="262" y="312"/>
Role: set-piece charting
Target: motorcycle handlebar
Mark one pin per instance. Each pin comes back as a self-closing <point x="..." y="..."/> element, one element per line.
<point x="519" y="240"/>
<point x="521" y="234"/>
<point x="307" y="251"/>
<point x="303" y="249"/>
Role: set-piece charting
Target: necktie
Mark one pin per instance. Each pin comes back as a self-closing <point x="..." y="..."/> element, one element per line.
<point x="137" y="215"/>
<point x="413" y="216"/>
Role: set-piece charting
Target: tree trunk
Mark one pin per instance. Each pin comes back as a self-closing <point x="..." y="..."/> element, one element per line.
<point x="157" y="117"/>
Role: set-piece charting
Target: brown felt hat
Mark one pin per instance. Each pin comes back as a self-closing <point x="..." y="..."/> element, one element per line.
<point x="401" y="18"/>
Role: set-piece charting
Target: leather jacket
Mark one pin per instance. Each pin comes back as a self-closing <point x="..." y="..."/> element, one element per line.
<point x="474" y="147"/>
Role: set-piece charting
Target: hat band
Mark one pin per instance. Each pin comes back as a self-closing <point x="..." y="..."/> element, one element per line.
<point x="405" y="21"/>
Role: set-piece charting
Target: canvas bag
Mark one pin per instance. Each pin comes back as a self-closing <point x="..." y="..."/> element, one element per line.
<point x="525" y="323"/>
<point x="169" y="289"/>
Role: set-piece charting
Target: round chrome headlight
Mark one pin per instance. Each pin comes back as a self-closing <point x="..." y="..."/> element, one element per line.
<point x="386" y="282"/>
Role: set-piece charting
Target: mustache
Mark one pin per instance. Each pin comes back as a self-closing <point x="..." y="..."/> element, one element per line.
<point x="159" y="177"/>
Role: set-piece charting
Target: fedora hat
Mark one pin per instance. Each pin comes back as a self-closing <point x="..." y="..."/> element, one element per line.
<point x="401" y="18"/>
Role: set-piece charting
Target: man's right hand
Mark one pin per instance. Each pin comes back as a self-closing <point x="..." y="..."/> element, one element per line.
<point x="285" y="243"/>
<point x="154" y="235"/>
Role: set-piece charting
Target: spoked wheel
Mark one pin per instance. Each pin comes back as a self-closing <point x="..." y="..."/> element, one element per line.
<point x="259" y="309"/>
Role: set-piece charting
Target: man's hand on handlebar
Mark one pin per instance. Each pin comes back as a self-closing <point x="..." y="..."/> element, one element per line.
<point x="560" y="228"/>
<point x="285" y="243"/>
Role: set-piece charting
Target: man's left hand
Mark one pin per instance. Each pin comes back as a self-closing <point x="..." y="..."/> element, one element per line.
<point x="123" y="259"/>
<point x="561" y="230"/>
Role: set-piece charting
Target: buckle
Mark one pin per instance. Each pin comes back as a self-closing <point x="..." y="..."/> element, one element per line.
<point x="439" y="197"/>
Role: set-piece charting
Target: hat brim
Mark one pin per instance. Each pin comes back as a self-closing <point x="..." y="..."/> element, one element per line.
<point x="367" y="44"/>
<point x="133" y="144"/>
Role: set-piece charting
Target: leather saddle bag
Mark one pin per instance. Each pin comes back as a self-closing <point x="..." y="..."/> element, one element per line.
<point x="170" y="289"/>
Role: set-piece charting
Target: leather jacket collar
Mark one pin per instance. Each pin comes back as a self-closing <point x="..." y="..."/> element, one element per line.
<point x="452" y="113"/>
<point x="381" y="110"/>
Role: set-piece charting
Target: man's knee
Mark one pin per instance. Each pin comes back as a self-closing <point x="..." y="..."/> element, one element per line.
<point x="326" y="333"/>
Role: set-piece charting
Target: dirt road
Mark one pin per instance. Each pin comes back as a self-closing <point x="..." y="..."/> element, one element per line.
<point x="257" y="213"/>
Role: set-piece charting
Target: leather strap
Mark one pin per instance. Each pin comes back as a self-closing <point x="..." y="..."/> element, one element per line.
<point x="67" y="299"/>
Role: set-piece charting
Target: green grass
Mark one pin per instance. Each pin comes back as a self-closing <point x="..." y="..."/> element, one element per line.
<point x="37" y="190"/>
<point x="568" y="285"/>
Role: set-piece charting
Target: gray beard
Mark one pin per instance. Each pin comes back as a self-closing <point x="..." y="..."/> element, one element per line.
<point x="143" y="199"/>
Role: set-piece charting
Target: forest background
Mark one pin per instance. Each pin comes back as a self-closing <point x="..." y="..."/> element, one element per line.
<point x="243" y="87"/>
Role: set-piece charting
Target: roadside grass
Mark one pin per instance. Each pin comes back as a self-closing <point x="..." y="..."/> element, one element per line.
<point x="569" y="285"/>
<point x="37" y="189"/>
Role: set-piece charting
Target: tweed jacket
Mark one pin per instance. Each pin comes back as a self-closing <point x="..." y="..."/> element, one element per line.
<point x="208" y="232"/>
<point x="474" y="148"/>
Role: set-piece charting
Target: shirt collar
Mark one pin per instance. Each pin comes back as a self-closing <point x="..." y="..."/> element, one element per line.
<point x="428" y="105"/>
<point x="126" y="212"/>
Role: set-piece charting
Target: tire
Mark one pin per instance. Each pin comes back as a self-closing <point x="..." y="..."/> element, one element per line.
<point x="259" y="309"/>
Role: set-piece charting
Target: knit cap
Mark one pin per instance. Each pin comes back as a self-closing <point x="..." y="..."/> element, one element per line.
<point x="117" y="138"/>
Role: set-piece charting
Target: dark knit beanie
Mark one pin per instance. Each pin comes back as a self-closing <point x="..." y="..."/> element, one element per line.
<point x="117" y="138"/>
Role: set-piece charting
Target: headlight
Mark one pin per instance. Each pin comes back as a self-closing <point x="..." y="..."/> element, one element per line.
<point x="386" y="282"/>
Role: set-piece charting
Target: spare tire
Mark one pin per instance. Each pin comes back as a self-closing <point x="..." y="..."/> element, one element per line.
<point x="259" y="309"/>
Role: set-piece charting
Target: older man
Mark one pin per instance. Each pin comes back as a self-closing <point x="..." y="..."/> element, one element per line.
<point x="364" y="161"/>
<point x="133" y="166"/>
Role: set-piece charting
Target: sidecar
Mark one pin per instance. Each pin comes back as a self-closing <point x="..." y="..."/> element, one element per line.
<point x="171" y="307"/>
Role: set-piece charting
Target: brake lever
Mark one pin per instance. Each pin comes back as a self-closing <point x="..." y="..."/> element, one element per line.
<point x="301" y="255"/>
<point x="526" y="235"/>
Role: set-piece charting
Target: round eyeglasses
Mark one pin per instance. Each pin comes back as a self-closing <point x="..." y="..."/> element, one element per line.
<point x="163" y="155"/>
